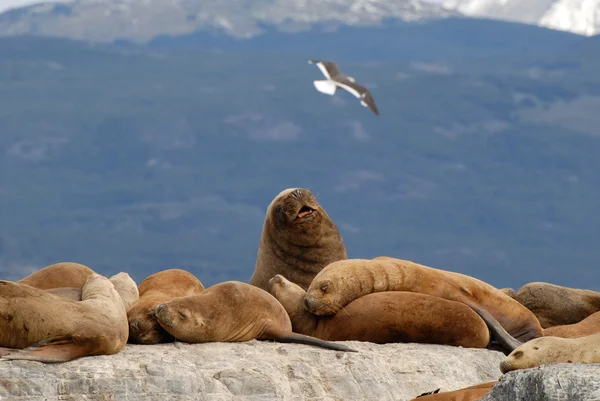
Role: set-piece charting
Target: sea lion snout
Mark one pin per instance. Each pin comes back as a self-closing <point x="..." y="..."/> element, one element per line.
<point x="160" y="308"/>
<point x="505" y="367"/>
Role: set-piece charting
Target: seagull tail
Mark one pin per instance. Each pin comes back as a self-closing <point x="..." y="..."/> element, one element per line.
<point x="326" y="86"/>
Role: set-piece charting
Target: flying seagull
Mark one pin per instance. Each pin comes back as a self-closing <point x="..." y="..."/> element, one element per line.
<point x="335" y="78"/>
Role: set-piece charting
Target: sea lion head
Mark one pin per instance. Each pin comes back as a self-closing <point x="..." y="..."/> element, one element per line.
<point x="143" y="326"/>
<point x="286" y="292"/>
<point x="295" y="214"/>
<point x="187" y="319"/>
<point x="126" y="287"/>
<point x="533" y="353"/>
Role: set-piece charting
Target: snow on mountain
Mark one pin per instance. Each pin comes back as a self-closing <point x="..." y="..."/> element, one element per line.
<point x="577" y="16"/>
<point x="140" y="20"/>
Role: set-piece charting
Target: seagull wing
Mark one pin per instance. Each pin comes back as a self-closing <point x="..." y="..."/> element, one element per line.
<point x="328" y="68"/>
<point x="358" y="91"/>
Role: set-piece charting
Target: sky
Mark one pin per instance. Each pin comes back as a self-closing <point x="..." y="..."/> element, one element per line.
<point x="8" y="4"/>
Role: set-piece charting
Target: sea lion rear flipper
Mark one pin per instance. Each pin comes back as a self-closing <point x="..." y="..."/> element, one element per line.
<point x="500" y="334"/>
<point x="7" y="351"/>
<point x="54" y="350"/>
<point x="291" y="337"/>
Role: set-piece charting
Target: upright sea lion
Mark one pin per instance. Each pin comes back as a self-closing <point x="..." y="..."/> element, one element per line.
<point x="546" y="350"/>
<point x="344" y="281"/>
<point x="473" y="393"/>
<point x="64" y="274"/>
<point x="298" y="240"/>
<point x="123" y="283"/>
<point x="588" y="326"/>
<point x="386" y="317"/>
<point x="231" y="312"/>
<point x="155" y="289"/>
<point x="49" y="328"/>
<point x="555" y="305"/>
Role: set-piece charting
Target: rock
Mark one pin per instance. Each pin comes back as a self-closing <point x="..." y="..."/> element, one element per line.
<point x="563" y="381"/>
<point x="253" y="371"/>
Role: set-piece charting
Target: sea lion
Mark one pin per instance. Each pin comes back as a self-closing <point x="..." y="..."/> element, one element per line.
<point x="555" y="305"/>
<point x="232" y="311"/>
<point x="510" y="292"/>
<point x="473" y="393"/>
<point x="341" y="282"/>
<point x="298" y="240"/>
<point x="546" y="350"/>
<point x="386" y="317"/>
<point x="155" y="289"/>
<point x="123" y="283"/>
<point x="64" y="274"/>
<point x="589" y="325"/>
<point x="40" y="326"/>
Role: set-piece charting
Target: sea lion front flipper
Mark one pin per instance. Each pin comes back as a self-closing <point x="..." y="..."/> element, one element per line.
<point x="54" y="350"/>
<point x="291" y="337"/>
<point x="501" y="335"/>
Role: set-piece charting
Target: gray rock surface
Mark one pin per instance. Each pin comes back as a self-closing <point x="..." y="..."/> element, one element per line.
<point x="255" y="370"/>
<point x="556" y="382"/>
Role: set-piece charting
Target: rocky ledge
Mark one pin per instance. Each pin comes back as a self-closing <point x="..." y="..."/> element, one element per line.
<point x="255" y="370"/>
<point x="565" y="381"/>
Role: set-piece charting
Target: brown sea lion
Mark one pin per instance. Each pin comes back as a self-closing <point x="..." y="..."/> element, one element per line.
<point x="155" y="289"/>
<point x="40" y="326"/>
<point x="64" y="274"/>
<point x="344" y="281"/>
<point x="232" y="312"/>
<point x="546" y="350"/>
<point x="588" y="326"/>
<point x="510" y="292"/>
<point x="555" y="305"/>
<point x="386" y="317"/>
<point x="473" y="393"/>
<point x="298" y="240"/>
<point x="123" y="283"/>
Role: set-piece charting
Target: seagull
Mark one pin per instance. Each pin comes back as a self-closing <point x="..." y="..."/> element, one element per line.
<point x="335" y="78"/>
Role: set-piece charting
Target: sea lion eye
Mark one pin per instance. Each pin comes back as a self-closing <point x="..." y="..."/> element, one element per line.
<point x="181" y="314"/>
<point x="324" y="287"/>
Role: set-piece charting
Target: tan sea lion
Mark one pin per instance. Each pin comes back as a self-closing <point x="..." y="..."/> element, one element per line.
<point x="123" y="283"/>
<point x="155" y="289"/>
<point x="588" y="326"/>
<point x="473" y="393"/>
<point x="386" y="317"/>
<point x="64" y="274"/>
<point x="298" y="240"/>
<point x="344" y="281"/>
<point x="40" y="326"/>
<point x="546" y="350"/>
<point x="232" y="311"/>
<point x="555" y="305"/>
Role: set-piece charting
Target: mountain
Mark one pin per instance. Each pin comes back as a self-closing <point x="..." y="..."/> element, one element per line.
<point x="141" y="20"/>
<point x="147" y="157"/>
<point x="578" y="16"/>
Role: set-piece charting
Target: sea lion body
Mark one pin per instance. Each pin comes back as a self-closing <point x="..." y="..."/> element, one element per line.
<point x="298" y="240"/>
<point x="122" y="282"/>
<point x="344" y="281"/>
<point x="158" y="288"/>
<point x="588" y="326"/>
<point x="64" y="274"/>
<point x="473" y="393"/>
<point x="555" y="305"/>
<point x="548" y="350"/>
<point x="386" y="317"/>
<point x="231" y="311"/>
<point x="49" y="328"/>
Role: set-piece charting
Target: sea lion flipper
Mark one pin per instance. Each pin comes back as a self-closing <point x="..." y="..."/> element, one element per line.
<point x="53" y="350"/>
<point x="7" y="351"/>
<point x="501" y="335"/>
<point x="291" y="337"/>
